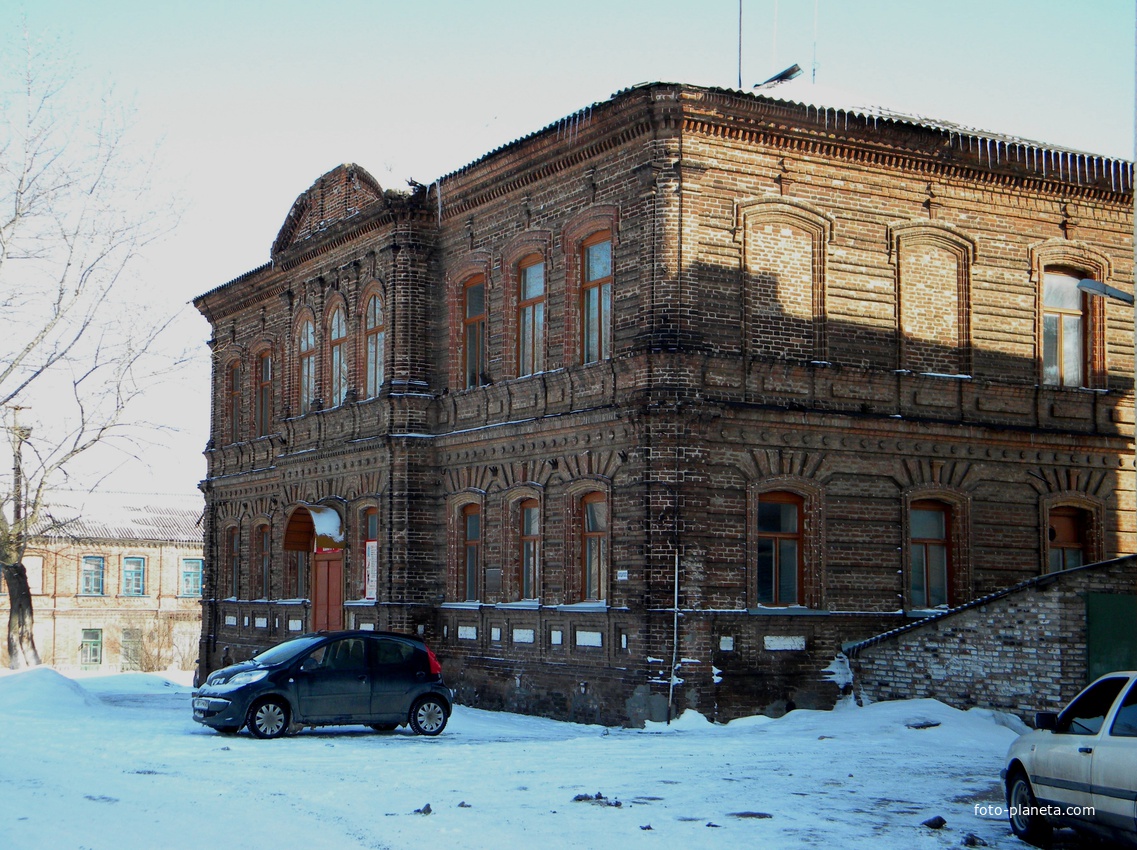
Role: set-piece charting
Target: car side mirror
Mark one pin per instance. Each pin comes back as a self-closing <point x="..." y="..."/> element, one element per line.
<point x="309" y="664"/>
<point x="1046" y="720"/>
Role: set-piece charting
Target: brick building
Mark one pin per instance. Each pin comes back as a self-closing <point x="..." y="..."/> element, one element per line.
<point x="692" y="376"/>
<point x="116" y="582"/>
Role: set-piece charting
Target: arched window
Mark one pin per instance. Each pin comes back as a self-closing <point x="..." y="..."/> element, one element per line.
<point x="474" y="331"/>
<point x="930" y="556"/>
<point x="337" y="358"/>
<point x="1064" y="330"/>
<point x="306" y="365"/>
<point x="233" y="426"/>
<point x="375" y="336"/>
<point x="594" y="546"/>
<point x="369" y="526"/>
<point x="262" y="558"/>
<point x="1067" y="534"/>
<point x="596" y="297"/>
<point x="231" y="577"/>
<point x="780" y="565"/>
<point x="471" y="550"/>
<point x="529" y="556"/>
<point x="531" y="315"/>
<point x="264" y="393"/>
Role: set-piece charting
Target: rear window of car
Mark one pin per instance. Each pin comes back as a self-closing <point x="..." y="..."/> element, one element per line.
<point x="393" y="651"/>
<point x="1125" y="723"/>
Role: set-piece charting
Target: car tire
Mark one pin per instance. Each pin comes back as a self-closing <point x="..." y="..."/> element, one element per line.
<point x="384" y="727"/>
<point x="1022" y="808"/>
<point x="428" y="716"/>
<point x="268" y="718"/>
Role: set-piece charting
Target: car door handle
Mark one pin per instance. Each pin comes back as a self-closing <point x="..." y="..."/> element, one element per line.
<point x="1085" y="749"/>
<point x="362" y="677"/>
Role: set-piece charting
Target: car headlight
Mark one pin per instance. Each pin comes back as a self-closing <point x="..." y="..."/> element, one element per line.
<point x="247" y="678"/>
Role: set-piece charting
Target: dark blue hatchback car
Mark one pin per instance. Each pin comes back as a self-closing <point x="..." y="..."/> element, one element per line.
<point x="378" y="679"/>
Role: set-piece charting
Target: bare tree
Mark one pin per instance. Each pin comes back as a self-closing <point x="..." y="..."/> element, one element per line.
<point x="77" y="341"/>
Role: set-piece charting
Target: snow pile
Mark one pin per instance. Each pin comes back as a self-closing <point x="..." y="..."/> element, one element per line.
<point x="42" y="692"/>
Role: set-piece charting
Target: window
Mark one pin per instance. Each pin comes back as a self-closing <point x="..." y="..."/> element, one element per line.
<point x="231" y="579"/>
<point x="133" y="576"/>
<point x="471" y="550"/>
<point x="337" y="358"/>
<point x="296" y="573"/>
<point x="375" y="335"/>
<point x="1125" y="721"/>
<point x="1086" y="714"/>
<point x="596" y="298"/>
<point x="930" y="555"/>
<point x="1067" y="536"/>
<point x="474" y="331"/>
<point x="1063" y="331"/>
<point x="780" y="560"/>
<point x="306" y="376"/>
<point x="370" y="579"/>
<point x="191" y="576"/>
<point x="233" y="428"/>
<point x="131" y="658"/>
<point x="264" y="394"/>
<point x="91" y="649"/>
<point x="91" y="580"/>
<point x="262" y="559"/>
<point x="594" y="546"/>
<point x="531" y="316"/>
<point x="530" y="554"/>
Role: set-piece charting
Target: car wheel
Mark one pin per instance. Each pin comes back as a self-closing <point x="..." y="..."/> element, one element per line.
<point x="1026" y="823"/>
<point x="268" y="718"/>
<point x="384" y="727"/>
<point x="428" y="716"/>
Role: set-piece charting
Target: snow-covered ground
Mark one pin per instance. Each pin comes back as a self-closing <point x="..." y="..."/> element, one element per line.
<point x="117" y="763"/>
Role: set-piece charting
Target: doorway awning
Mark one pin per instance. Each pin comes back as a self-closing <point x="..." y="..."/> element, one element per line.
<point x="314" y="528"/>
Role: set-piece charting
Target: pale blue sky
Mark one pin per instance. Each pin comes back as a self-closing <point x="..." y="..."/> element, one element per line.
<point x="254" y="100"/>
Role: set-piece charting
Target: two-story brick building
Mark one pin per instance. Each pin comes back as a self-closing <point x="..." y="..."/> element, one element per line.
<point x="666" y="401"/>
<point x="116" y="582"/>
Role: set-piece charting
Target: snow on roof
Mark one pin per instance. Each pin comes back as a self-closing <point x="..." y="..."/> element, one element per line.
<point x="801" y="92"/>
<point x="107" y="515"/>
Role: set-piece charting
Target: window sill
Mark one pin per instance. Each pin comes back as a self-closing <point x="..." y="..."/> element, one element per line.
<point x="924" y="613"/>
<point x="462" y="606"/>
<point x="600" y="607"/>
<point x="787" y="611"/>
<point x="520" y="605"/>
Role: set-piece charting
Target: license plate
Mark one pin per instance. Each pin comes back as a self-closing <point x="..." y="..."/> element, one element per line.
<point x="200" y="704"/>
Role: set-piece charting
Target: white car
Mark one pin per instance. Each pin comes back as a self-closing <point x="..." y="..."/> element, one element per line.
<point x="1078" y="768"/>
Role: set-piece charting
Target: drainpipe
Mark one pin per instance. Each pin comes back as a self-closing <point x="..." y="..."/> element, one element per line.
<point x="674" y="633"/>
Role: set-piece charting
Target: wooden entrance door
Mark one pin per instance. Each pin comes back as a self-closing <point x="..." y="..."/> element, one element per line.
<point x="327" y="591"/>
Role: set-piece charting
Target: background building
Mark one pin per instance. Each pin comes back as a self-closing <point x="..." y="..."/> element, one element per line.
<point x="116" y="583"/>
<point x="668" y="401"/>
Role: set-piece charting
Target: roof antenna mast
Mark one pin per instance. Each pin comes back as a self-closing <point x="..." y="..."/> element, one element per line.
<point x="813" y="70"/>
<point x="740" y="44"/>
